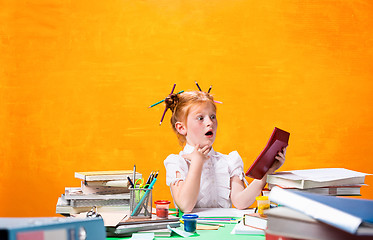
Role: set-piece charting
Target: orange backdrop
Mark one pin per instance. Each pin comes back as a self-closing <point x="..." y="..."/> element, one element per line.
<point x="76" y="78"/>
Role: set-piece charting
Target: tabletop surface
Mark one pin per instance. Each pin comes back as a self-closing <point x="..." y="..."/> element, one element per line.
<point x="221" y="233"/>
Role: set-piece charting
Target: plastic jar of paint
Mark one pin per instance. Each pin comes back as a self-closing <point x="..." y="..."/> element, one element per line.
<point x="161" y="207"/>
<point x="263" y="203"/>
<point x="190" y="222"/>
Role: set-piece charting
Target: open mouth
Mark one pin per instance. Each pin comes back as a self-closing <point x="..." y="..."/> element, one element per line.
<point x="209" y="133"/>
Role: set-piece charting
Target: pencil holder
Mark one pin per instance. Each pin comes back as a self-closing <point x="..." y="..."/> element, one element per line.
<point x="141" y="202"/>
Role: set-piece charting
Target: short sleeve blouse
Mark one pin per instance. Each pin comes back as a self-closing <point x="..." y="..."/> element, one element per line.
<point x="215" y="177"/>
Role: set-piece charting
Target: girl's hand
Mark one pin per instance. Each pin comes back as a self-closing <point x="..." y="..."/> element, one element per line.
<point x="199" y="154"/>
<point x="280" y="159"/>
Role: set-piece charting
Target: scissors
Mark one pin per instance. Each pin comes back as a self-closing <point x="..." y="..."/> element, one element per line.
<point x="139" y="182"/>
<point x="139" y="192"/>
<point x="93" y="213"/>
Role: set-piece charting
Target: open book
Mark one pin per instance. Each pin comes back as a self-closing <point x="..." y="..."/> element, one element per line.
<point x="278" y="140"/>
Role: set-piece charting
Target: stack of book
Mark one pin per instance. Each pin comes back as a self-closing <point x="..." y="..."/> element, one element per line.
<point x="323" y="181"/>
<point x="313" y="216"/>
<point x="106" y="190"/>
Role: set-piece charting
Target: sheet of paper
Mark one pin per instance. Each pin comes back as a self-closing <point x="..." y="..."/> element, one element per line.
<point x="180" y="232"/>
<point x="143" y="236"/>
<point x="242" y="229"/>
<point x="221" y="212"/>
<point x="321" y="174"/>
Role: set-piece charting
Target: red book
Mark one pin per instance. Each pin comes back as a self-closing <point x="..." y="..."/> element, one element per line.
<point x="278" y="140"/>
<point x="270" y="236"/>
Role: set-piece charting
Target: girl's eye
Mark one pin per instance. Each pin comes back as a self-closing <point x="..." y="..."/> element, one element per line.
<point x="200" y="118"/>
<point x="213" y="117"/>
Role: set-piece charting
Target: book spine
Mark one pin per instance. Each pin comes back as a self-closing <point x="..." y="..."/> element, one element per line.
<point x="86" y="189"/>
<point x="273" y="179"/>
<point x="98" y="203"/>
<point x="316" y="210"/>
<point x="271" y="236"/>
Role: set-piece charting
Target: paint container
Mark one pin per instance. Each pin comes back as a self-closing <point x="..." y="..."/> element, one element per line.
<point x="161" y="207"/>
<point x="263" y="203"/>
<point x="190" y="222"/>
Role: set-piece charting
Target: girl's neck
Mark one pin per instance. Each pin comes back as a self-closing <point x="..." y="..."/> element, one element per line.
<point x="193" y="145"/>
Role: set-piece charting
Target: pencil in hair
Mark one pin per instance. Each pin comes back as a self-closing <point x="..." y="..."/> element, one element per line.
<point x="209" y="89"/>
<point x="198" y="86"/>
<point x="164" y="112"/>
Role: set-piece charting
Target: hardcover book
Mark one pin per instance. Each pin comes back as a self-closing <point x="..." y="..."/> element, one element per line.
<point x="319" y="177"/>
<point x="286" y="222"/>
<point x="130" y="225"/>
<point x="106" y="175"/>
<point x="354" y="216"/>
<point x="348" y="190"/>
<point x="278" y="140"/>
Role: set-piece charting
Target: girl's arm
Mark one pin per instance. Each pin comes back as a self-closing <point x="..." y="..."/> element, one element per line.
<point x="185" y="193"/>
<point x="242" y="197"/>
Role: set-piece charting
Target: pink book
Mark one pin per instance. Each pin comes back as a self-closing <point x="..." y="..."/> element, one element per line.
<point x="278" y="140"/>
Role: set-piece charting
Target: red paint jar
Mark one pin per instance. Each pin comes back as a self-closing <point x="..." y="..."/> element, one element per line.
<point x="161" y="207"/>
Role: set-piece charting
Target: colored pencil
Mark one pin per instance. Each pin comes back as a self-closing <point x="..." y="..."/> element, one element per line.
<point x="165" y="110"/>
<point x="198" y="86"/>
<point x="155" y="104"/>
<point x="209" y="89"/>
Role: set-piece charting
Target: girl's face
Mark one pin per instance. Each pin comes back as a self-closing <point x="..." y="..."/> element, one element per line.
<point x="201" y="125"/>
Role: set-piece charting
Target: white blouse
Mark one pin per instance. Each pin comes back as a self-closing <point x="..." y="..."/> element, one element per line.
<point x="215" y="178"/>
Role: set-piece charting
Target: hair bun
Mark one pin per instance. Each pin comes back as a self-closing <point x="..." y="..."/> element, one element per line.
<point x="171" y="101"/>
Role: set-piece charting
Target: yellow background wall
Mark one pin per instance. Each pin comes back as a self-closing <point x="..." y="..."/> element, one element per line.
<point x="76" y="78"/>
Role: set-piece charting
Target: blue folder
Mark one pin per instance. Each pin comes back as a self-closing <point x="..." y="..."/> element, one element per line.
<point x="51" y="228"/>
<point x="361" y="208"/>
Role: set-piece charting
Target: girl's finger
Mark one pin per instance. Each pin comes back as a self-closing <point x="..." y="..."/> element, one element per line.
<point x="284" y="151"/>
<point x="205" y="148"/>
<point x="279" y="158"/>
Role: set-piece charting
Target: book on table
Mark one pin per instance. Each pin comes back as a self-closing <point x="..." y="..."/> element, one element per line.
<point x="288" y="223"/>
<point x="130" y="225"/>
<point x="278" y="140"/>
<point x="75" y="193"/>
<point x="348" y="190"/>
<point x="250" y="224"/>
<point x="65" y="208"/>
<point x="105" y="187"/>
<point x="107" y="175"/>
<point x="313" y="178"/>
<point x="86" y="189"/>
<point x="272" y="236"/>
<point x="77" y="198"/>
<point x="351" y="215"/>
